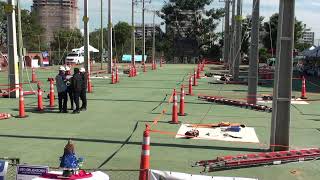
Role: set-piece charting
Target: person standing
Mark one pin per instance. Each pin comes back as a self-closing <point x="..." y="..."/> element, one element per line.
<point x="77" y="86"/>
<point x="62" y="90"/>
<point x="83" y="93"/>
<point x="69" y="87"/>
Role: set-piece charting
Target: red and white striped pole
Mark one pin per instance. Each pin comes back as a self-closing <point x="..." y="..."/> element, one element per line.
<point x="195" y="83"/>
<point x="190" y="93"/>
<point x="51" y="93"/>
<point x="22" y="113"/>
<point x="175" y="108"/>
<point x="145" y="155"/>
<point x="303" y="89"/>
<point x="181" y="109"/>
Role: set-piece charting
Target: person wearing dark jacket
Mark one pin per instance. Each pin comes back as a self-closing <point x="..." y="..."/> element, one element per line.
<point x="62" y="90"/>
<point x="83" y="93"/>
<point x="69" y="87"/>
<point x="77" y="82"/>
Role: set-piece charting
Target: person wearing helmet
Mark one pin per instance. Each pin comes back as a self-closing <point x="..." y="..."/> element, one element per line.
<point x="76" y="84"/>
<point x="83" y="93"/>
<point x="62" y="90"/>
<point x="69" y="87"/>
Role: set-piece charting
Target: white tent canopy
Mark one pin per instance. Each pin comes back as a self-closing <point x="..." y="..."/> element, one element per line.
<point x="91" y="49"/>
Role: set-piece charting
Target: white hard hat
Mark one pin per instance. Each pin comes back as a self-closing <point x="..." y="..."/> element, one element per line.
<point x="82" y="70"/>
<point x="68" y="68"/>
<point x="62" y="68"/>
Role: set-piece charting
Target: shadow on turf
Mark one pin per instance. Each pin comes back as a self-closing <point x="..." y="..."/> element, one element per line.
<point x="142" y="101"/>
<point x="188" y="146"/>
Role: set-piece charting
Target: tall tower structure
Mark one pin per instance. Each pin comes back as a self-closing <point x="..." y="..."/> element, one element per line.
<point x="56" y="14"/>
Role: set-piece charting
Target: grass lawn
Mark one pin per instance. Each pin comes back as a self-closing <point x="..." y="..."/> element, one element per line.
<point x="110" y="132"/>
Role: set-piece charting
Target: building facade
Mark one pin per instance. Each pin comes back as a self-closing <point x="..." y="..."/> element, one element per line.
<point x="307" y="37"/>
<point x="54" y="15"/>
<point x="148" y="32"/>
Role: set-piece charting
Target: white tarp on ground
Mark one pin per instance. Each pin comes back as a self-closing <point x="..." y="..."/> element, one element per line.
<point x="293" y="101"/>
<point x="246" y="134"/>
<point x="166" y="175"/>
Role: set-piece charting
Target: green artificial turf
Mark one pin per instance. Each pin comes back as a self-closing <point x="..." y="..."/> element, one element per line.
<point x="109" y="133"/>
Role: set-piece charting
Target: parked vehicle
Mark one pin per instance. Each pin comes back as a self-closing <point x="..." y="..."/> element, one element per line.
<point x="75" y="58"/>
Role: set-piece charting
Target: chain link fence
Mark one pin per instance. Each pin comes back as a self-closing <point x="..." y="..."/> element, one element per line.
<point x="12" y="167"/>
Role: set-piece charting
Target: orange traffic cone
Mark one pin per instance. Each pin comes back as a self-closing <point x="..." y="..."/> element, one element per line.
<point x="198" y="71"/>
<point x="117" y="75"/>
<point x="112" y="77"/>
<point x="33" y="76"/>
<point x="51" y="93"/>
<point x="22" y="113"/>
<point x="190" y="93"/>
<point x="40" y="100"/>
<point x="303" y="89"/>
<point x="195" y="83"/>
<point x="145" y="155"/>
<point x="181" y="110"/>
<point x="90" y="89"/>
<point x="130" y="71"/>
<point x="175" y="108"/>
<point x="144" y="67"/>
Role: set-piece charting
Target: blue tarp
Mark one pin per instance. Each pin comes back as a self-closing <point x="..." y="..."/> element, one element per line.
<point x="314" y="53"/>
<point x="138" y="58"/>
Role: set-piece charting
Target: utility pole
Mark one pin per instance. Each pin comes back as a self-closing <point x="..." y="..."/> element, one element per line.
<point x="110" y="38"/>
<point x="20" y="43"/>
<point x="143" y="33"/>
<point x="226" y="33"/>
<point x="86" y="38"/>
<point x="280" y="126"/>
<point x="254" y="54"/>
<point x="232" y="39"/>
<point x="154" y="38"/>
<point x="238" y="41"/>
<point x="133" y="36"/>
<point x="12" y="49"/>
<point x="101" y="34"/>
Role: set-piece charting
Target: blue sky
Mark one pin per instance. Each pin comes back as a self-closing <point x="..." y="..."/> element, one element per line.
<point x="307" y="11"/>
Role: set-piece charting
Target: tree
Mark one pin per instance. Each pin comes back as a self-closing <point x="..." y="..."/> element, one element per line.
<point x="190" y="20"/>
<point x="64" y="41"/>
<point x="272" y="26"/>
<point x="95" y="40"/>
<point x="246" y="33"/>
<point x="32" y="31"/>
<point x="122" y="32"/>
<point x="3" y="26"/>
